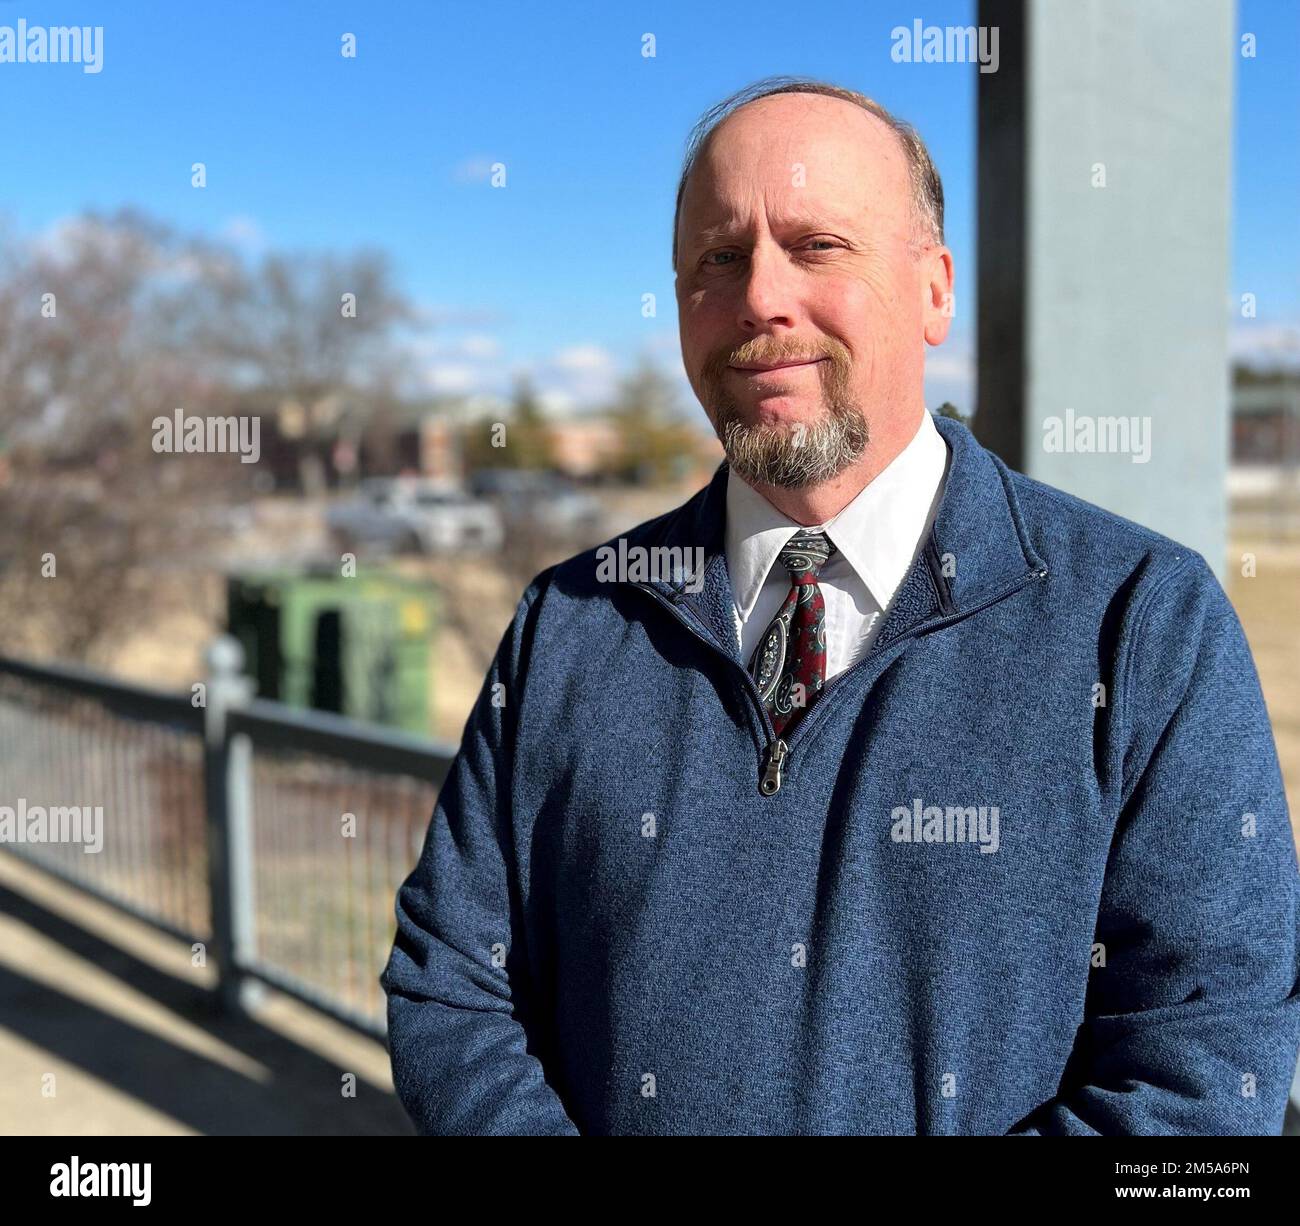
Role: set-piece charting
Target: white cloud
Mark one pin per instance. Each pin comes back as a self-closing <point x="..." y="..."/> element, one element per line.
<point x="573" y="379"/>
<point x="556" y="403"/>
<point x="459" y="365"/>
<point x="473" y="347"/>
<point x="443" y="316"/>
<point x="583" y="359"/>
<point x="480" y="345"/>
<point x="453" y="379"/>
<point x="474" y="169"/>
<point x="1266" y="344"/>
<point x="665" y="341"/>
<point x="245" y="233"/>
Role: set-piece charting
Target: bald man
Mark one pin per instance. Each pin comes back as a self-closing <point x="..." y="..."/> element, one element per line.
<point x="875" y="789"/>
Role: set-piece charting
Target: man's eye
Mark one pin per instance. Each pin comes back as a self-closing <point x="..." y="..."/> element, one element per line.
<point x="722" y="262"/>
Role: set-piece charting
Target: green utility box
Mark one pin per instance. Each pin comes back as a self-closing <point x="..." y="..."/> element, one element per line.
<point x="361" y="647"/>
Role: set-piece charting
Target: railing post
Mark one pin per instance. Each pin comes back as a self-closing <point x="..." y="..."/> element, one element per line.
<point x="227" y="770"/>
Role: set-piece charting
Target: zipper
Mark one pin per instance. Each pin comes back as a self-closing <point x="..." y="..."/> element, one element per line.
<point x="770" y="783"/>
<point x="774" y="752"/>
<point x="777" y="749"/>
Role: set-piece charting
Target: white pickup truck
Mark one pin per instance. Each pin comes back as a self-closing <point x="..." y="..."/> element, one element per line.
<point x="414" y="514"/>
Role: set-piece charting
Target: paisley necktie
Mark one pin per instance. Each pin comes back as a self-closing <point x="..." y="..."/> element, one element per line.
<point x="789" y="663"/>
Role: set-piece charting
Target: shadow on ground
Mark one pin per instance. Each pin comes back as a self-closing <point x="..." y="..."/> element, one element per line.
<point x="301" y="1095"/>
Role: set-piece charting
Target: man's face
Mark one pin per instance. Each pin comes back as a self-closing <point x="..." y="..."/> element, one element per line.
<point x="793" y="247"/>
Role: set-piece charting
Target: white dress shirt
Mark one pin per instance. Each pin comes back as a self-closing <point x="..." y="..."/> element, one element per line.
<point x="877" y="537"/>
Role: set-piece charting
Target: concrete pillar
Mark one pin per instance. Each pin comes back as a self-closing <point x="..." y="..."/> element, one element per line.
<point x="1104" y="190"/>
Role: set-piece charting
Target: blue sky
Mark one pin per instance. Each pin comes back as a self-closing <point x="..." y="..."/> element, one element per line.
<point x="306" y="149"/>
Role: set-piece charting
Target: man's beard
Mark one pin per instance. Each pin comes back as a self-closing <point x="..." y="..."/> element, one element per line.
<point x="796" y="455"/>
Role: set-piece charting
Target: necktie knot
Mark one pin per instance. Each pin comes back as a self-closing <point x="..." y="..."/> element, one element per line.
<point x="805" y="554"/>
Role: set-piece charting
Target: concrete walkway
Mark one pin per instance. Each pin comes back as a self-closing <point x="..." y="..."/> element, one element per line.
<point x="105" y="1029"/>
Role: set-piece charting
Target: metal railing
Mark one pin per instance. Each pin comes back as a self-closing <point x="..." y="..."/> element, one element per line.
<point x="273" y="840"/>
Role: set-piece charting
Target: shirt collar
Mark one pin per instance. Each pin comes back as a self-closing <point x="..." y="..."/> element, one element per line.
<point x="878" y="532"/>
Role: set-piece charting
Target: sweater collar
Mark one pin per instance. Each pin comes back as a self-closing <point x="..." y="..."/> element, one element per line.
<point x="976" y="549"/>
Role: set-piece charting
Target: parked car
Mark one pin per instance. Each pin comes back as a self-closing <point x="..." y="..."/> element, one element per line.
<point x="408" y="514"/>
<point x="534" y="499"/>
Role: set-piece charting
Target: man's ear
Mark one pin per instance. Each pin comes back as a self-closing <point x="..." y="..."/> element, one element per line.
<point x="939" y="304"/>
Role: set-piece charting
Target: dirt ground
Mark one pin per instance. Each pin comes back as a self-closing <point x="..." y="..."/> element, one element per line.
<point x="1269" y="607"/>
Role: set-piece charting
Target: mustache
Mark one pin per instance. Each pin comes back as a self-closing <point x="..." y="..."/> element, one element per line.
<point x="764" y="351"/>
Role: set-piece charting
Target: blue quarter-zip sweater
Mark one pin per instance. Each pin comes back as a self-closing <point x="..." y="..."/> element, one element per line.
<point x="1025" y="868"/>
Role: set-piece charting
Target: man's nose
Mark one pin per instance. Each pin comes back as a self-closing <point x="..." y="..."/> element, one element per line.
<point x="768" y="289"/>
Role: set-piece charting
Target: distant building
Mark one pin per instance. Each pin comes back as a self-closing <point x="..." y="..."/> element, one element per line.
<point x="440" y="451"/>
<point x="1266" y="418"/>
<point x="583" y="447"/>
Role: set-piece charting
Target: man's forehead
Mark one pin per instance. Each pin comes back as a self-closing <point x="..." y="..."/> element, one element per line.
<point x="845" y="174"/>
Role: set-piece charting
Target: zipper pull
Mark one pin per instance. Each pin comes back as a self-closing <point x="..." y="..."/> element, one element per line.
<point x="770" y="784"/>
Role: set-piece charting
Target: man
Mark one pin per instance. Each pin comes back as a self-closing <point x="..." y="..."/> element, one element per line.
<point x="925" y="799"/>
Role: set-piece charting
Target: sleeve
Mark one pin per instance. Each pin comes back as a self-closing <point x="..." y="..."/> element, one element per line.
<point x="1192" y="1025"/>
<point x="456" y="980"/>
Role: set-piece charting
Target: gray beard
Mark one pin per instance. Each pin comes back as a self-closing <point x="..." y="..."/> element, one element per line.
<point x="787" y="457"/>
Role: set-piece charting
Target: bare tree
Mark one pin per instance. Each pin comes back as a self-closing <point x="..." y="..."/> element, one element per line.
<point x="107" y="328"/>
<point x="314" y="337"/>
